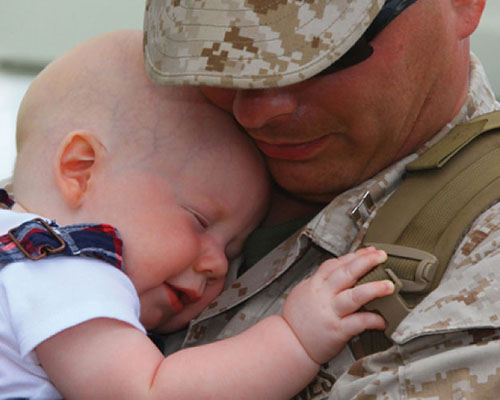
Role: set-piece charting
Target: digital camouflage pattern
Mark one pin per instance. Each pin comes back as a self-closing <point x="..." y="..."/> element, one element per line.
<point x="249" y="43"/>
<point x="448" y="347"/>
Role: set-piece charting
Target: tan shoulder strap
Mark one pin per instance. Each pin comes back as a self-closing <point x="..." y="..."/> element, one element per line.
<point x="425" y="219"/>
<point x="456" y="140"/>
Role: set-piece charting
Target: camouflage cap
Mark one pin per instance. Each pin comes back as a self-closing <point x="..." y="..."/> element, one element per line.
<point x="249" y="43"/>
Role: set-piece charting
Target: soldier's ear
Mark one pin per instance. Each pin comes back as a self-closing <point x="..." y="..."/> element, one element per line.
<point x="76" y="162"/>
<point x="469" y="14"/>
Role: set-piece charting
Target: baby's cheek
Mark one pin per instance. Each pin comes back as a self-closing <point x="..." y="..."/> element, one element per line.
<point x="155" y="311"/>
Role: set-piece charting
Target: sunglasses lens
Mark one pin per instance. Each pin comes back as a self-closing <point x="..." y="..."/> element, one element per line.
<point x="362" y="48"/>
<point x="357" y="53"/>
<point x="390" y="10"/>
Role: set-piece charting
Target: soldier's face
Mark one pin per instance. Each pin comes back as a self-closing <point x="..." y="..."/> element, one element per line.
<point x="334" y="131"/>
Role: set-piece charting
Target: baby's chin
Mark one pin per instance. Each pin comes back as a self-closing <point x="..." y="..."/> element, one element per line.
<point x="165" y="320"/>
<point x="167" y="328"/>
<point x="175" y="323"/>
<point x="157" y="319"/>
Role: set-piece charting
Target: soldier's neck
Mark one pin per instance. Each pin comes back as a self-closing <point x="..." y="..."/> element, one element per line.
<point x="285" y="207"/>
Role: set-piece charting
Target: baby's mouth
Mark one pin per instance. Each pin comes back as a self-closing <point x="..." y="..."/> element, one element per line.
<point x="180" y="297"/>
<point x="175" y="297"/>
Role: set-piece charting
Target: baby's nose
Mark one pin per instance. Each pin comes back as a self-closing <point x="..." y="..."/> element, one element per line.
<point x="212" y="261"/>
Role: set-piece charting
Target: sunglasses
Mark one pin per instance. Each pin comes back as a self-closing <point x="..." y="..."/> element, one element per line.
<point x="362" y="49"/>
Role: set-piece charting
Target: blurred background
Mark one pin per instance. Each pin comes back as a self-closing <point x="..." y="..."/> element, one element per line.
<point x="34" y="32"/>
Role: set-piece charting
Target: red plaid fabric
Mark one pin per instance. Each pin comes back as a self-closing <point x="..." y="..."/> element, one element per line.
<point x="38" y="238"/>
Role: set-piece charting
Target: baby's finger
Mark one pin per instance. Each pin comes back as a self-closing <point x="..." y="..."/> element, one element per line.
<point x="347" y="275"/>
<point x="329" y="266"/>
<point x="356" y="323"/>
<point x="351" y="300"/>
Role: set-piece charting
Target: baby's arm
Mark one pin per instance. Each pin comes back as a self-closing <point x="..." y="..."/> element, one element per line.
<point x="276" y="358"/>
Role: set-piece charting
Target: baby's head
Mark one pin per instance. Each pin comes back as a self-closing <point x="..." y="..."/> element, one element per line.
<point x="99" y="143"/>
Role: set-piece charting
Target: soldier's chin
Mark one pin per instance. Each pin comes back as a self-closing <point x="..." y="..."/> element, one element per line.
<point x="306" y="184"/>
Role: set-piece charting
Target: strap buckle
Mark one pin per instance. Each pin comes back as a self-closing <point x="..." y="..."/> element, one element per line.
<point x="45" y="249"/>
<point x="363" y="209"/>
<point x="394" y="307"/>
<point x="424" y="271"/>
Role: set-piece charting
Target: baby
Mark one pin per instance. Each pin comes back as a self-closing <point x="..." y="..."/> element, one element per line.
<point x="105" y="157"/>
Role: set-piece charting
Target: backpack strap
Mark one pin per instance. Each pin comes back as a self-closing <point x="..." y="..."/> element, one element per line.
<point x="422" y="223"/>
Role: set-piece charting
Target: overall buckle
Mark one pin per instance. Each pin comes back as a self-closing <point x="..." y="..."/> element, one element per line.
<point x="45" y="249"/>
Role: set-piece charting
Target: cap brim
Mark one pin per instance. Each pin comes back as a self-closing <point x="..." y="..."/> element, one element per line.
<point x="249" y="43"/>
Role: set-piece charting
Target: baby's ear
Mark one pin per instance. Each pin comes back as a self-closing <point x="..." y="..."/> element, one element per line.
<point x="75" y="164"/>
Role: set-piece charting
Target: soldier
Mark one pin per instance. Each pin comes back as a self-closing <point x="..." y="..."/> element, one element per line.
<point x="341" y="97"/>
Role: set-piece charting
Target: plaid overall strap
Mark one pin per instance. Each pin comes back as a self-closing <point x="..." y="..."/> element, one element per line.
<point x="37" y="238"/>
<point x="5" y="200"/>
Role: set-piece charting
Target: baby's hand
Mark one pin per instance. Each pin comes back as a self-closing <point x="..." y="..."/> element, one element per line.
<point x="321" y="310"/>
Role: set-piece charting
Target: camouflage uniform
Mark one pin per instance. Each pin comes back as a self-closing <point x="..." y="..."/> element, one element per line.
<point x="447" y="348"/>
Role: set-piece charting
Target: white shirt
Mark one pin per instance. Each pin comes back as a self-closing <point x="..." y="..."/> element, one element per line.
<point x="39" y="299"/>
